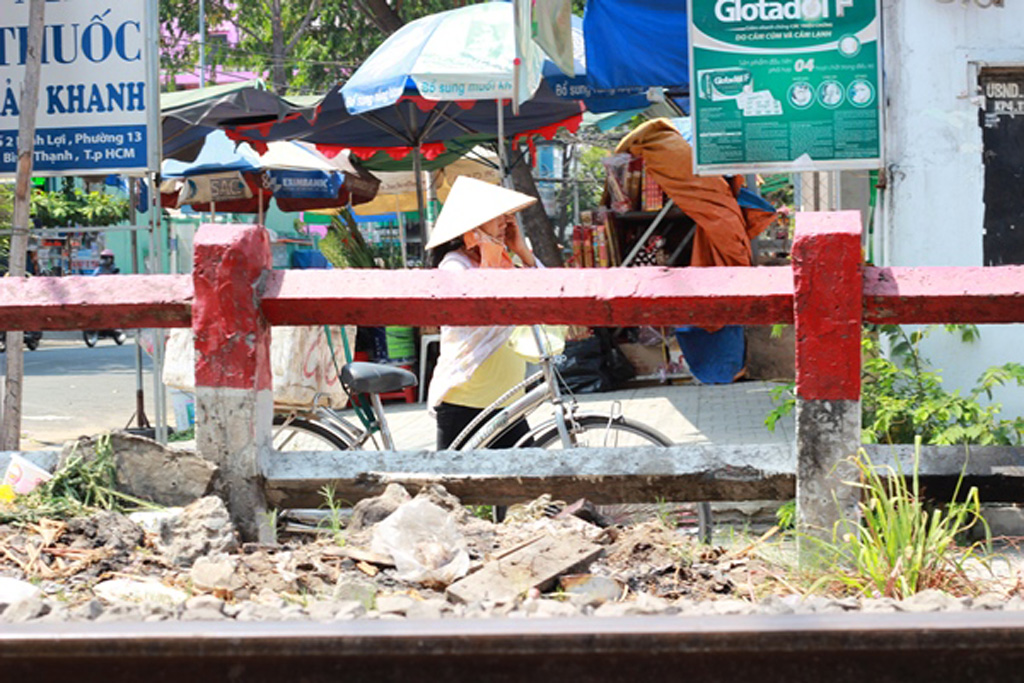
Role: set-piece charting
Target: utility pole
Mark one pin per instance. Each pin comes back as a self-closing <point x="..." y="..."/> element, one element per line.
<point x="10" y="434"/>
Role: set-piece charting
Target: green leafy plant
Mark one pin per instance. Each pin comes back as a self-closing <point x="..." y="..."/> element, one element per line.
<point x="80" y="487"/>
<point x="184" y="435"/>
<point x="344" y="245"/>
<point x="903" y="398"/>
<point x="73" y="206"/>
<point x="785" y="516"/>
<point x="484" y="512"/>
<point x="900" y="546"/>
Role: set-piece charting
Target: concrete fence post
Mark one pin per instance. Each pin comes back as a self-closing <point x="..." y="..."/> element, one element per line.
<point x="828" y="277"/>
<point x="234" y="397"/>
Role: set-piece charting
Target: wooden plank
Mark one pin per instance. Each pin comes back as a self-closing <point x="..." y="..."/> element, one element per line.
<point x="535" y="565"/>
<point x="944" y="295"/>
<point x="605" y="296"/>
<point x="81" y="302"/>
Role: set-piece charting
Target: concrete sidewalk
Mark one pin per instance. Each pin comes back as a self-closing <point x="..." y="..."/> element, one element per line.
<point x="686" y="413"/>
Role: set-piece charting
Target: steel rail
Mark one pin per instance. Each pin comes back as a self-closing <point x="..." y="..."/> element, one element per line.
<point x="855" y="647"/>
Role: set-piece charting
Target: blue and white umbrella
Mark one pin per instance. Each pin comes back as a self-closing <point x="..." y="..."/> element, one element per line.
<point x="462" y="54"/>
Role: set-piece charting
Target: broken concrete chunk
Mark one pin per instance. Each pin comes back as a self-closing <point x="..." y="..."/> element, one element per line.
<point x="14" y="590"/>
<point x="130" y="590"/>
<point x="202" y="528"/>
<point x="106" y="530"/>
<point x="215" y="574"/>
<point x="147" y="470"/>
<point x="363" y="592"/>
<point x="586" y="511"/>
<point x="439" y="496"/>
<point x="369" y="511"/>
<point x="535" y="565"/>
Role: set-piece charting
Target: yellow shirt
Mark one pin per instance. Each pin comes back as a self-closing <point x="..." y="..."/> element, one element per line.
<point x="502" y="370"/>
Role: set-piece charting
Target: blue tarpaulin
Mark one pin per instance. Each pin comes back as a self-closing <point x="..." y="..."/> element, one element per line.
<point x="636" y="43"/>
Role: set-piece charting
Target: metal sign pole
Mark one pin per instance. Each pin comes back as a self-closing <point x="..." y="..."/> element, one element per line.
<point x="140" y="399"/>
<point x="10" y="418"/>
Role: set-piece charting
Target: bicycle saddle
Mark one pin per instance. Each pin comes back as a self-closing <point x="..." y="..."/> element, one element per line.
<point x="374" y="378"/>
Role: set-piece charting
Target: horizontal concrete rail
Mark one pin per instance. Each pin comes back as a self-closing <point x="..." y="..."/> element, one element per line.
<point x="997" y="471"/>
<point x="944" y="295"/>
<point x="603" y="475"/>
<point x="716" y="296"/>
<point x="82" y="302"/>
<point x="628" y="296"/>
<point x="616" y="475"/>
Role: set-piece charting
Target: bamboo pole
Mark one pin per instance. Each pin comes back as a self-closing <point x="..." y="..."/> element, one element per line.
<point x="10" y="434"/>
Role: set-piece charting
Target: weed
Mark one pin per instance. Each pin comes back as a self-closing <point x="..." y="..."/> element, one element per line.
<point x="899" y="546"/>
<point x="786" y="515"/>
<point x="666" y="514"/>
<point x="484" y="512"/>
<point x="333" y="522"/>
<point x="184" y="435"/>
<point x="270" y="518"/>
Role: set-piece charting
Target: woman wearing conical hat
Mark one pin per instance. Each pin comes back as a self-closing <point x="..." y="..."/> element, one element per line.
<point x="476" y="229"/>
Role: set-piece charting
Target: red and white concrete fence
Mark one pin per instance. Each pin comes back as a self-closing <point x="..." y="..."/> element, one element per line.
<point x="233" y="299"/>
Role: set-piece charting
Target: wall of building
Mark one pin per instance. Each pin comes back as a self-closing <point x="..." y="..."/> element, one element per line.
<point x="933" y="211"/>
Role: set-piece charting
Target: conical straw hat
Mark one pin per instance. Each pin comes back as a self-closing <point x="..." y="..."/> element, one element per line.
<point x="472" y="203"/>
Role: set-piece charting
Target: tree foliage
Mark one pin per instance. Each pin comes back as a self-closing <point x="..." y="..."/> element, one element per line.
<point x="73" y="206"/>
<point x="303" y="47"/>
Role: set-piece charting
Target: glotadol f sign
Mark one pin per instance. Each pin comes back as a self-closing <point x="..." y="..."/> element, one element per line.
<point x="785" y="85"/>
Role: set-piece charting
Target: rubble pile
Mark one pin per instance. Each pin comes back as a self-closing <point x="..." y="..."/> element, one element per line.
<point x="403" y="554"/>
<point x="186" y="563"/>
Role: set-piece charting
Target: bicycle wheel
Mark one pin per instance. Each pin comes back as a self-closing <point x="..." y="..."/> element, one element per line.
<point x="598" y="431"/>
<point x="299" y="434"/>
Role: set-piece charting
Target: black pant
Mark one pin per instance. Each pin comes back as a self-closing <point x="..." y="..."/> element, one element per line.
<point x="452" y="419"/>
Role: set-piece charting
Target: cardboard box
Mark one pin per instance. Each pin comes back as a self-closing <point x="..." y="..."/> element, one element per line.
<point x="650" y="361"/>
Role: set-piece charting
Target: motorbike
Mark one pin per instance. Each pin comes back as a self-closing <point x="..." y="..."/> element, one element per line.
<point x="31" y="340"/>
<point x="92" y="336"/>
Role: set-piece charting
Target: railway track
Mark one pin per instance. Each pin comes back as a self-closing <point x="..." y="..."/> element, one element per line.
<point x="866" y="648"/>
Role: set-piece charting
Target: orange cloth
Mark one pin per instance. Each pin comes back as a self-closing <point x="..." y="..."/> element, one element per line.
<point x="492" y="252"/>
<point x="723" y="229"/>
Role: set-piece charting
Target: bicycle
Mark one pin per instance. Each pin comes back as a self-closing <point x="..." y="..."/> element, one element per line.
<point x="324" y="428"/>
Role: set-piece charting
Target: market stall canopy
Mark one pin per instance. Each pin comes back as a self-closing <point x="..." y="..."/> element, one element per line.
<point x="397" y="191"/>
<point x="239" y="180"/>
<point x="188" y="116"/>
<point x="397" y="130"/>
<point x="638" y="43"/>
<point x="724" y="228"/>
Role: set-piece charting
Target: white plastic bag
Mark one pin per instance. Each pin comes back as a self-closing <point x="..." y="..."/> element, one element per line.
<point x="424" y="541"/>
<point x="300" y="361"/>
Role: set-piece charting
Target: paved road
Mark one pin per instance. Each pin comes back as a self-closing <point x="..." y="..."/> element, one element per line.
<point x="71" y="390"/>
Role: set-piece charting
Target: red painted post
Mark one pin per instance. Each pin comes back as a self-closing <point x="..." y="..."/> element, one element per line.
<point x="234" y="399"/>
<point x="827" y="311"/>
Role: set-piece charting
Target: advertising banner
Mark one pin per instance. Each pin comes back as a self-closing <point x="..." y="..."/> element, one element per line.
<point x="98" y="92"/>
<point x="785" y="85"/>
